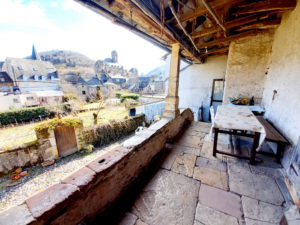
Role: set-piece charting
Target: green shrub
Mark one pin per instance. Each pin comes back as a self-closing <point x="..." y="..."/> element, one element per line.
<point x="118" y="95"/>
<point x="24" y="115"/>
<point x="103" y="134"/>
<point x="42" y="128"/>
<point x="70" y="96"/>
<point x="129" y="96"/>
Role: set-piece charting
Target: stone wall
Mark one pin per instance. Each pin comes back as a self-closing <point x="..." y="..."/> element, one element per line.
<point x="26" y="155"/>
<point x="195" y="84"/>
<point x="282" y="89"/>
<point x="247" y="66"/>
<point x="93" y="188"/>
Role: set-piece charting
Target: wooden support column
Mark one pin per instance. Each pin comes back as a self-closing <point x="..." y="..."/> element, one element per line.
<point x="172" y="100"/>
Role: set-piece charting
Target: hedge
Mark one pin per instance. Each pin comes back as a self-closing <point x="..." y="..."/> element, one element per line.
<point x="42" y="129"/>
<point x="105" y="133"/>
<point x="24" y="115"/>
<point x="129" y="96"/>
<point x="70" y="96"/>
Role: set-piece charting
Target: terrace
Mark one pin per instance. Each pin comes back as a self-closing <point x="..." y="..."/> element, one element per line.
<point x="168" y="174"/>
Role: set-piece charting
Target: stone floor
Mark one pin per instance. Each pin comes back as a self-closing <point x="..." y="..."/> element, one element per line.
<point x="192" y="187"/>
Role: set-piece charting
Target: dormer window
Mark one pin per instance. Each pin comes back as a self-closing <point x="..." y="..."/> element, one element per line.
<point x="35" y="69"/>
<point x="20" y="68"/>
<point x="2" y="79"/>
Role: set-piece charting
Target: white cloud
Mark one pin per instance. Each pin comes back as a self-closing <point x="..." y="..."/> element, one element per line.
<point x="54" y="4"/>
<point x="94" y="37"/>
<point x="17" y="14"/>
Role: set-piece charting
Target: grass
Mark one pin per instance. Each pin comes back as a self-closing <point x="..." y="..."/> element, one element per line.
<point x="16" y="136"/>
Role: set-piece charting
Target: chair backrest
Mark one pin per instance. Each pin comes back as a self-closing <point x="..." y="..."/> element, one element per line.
<point x="212" y="114"/>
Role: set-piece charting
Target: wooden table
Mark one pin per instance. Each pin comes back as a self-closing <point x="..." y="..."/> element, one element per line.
<point x="239" y="121"/>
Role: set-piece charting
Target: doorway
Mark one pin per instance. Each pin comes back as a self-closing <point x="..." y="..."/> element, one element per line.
<point x="217" y="94"/>
<point x="65" y="141"/>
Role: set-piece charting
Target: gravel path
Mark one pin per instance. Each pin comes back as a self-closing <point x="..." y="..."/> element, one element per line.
<point x="39" y="177"/>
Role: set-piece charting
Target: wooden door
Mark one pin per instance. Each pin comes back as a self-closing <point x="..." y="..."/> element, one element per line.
<point x="65" y="140"/>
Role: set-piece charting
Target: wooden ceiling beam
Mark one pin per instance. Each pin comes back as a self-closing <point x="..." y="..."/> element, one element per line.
<point x="202" y="9"/>
<point x="214" y="15"/>
<point x="231" y="24"/>
<point x="267" y="24"/>
<point x="227" y="39"/>
<point x="264" y="6"/>
<point x="217" y="51"/>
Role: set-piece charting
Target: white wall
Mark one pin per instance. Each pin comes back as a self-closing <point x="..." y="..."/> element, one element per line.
<point x="284" y="77"/>
<point x="248" y="61"/>
<point x="195" y="84"/>
<point x="8" y="101"/>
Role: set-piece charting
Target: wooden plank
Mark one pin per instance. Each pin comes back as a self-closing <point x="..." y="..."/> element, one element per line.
<point x="264" y="6"/>
<point x="231" y="24"/>
<point x="271" y="132"/>
<point x="228" y="39"/>
<point x="261" y="25"/>
<point x="202" y="9"/>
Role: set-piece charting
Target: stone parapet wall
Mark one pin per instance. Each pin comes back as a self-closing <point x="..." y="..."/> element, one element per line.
<point x="95" y="187"/>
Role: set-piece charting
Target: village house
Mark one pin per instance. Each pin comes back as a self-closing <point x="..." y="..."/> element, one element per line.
<point x="241" y="168"/>
<point x="31" y="74"/>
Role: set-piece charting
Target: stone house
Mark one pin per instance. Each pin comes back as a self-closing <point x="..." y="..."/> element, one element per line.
<point x="31" y="74"/>
<point x="6" y="83"/>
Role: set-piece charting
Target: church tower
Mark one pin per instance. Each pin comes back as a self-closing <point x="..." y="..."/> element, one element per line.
<point x="114" y="56"/>
<point x="35" y="55"/>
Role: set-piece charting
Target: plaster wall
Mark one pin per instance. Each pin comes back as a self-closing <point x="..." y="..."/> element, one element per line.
<point x="195" y="84"/>
<point x="283" y="107"/>
<point x="247" y="65"/>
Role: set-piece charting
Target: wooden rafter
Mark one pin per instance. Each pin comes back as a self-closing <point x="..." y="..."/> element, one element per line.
<point x="227" y="39"/>
<point x="267" y="24"/>
<point x="214" y="15"/>
<point x="265" y="6"/>
<point x="201" y="10"/>
<point x="233" y="23"/>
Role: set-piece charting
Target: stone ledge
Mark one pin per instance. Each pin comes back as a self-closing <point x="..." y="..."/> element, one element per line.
<point x="16" y="215"/>
<point x="93" y="188"/>
<point x="51" y="200"/>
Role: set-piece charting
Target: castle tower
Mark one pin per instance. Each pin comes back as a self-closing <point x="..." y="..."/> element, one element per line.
<point x="35" y="55"/>
<point x="114" y="56"/>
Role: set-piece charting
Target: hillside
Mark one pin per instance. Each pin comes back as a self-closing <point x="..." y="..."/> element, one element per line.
<point x="70" y="62"/>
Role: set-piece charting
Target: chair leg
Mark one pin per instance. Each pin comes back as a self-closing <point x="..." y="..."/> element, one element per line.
<point x="254" y="147"/>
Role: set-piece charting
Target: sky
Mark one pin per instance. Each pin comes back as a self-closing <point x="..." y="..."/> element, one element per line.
<point x="67" y="25"/>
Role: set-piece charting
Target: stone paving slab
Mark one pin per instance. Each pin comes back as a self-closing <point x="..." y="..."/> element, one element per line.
<point x="140" y="222"/>
<point x="256" y="222"/>
<point x="184" y="149"/>
<point x="198" y="223"/>
<point x="169" y="157"/>
<point x="191" y="132"/>
<point x="128" y="219"/>
<point x="221" y="200"/>
<point x="209" y="216"/>
<point x="211" y="177"/>
<point x="257" y="210"/>
<point x="169" y="198"/>
<point x="17" y="215"/>
<point x="259" y="187"/>
<point x="184" y="164"/>
<point x="189" y="141"/>
<point x="207" y="150"/>
<point x="200" y="126"/>
<point x="212" y="164"/>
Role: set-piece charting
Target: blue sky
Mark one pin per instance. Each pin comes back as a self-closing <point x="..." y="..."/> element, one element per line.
<point x="67" y="25"/>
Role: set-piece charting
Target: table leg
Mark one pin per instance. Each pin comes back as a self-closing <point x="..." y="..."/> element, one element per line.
<point x="254" y="147"/>
<point x="280" y="148"/>
<point x="215" y="142"/>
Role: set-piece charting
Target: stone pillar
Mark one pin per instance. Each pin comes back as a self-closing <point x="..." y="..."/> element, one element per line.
<point x="172" y="100"/>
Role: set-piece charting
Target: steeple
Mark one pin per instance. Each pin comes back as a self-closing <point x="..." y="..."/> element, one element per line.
<point x="35" y="54"/>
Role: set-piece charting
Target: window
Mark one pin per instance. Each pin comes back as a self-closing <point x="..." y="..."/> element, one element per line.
<point x="34" y="69"/>
<point x="16" y="100"/>
<point x="29" y="98"/>
<point x="20" y="68"/>
<point x="2" y="79"/>
<point x="83" y="92"/>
